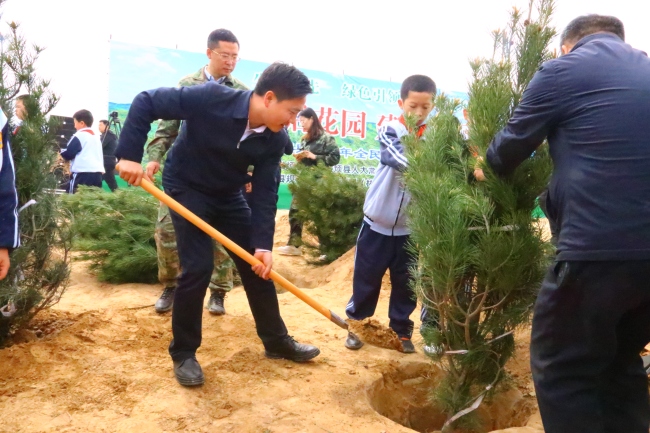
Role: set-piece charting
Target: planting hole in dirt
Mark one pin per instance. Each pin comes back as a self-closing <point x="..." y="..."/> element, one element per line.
<point x="402" y="395"/>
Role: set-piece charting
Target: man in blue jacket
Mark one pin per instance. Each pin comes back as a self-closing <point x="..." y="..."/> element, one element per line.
<point x="592" y="315"/>
<point x="9" y="234"/>
<point x="224" y="132"/>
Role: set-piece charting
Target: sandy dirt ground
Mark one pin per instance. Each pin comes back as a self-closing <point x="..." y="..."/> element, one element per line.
<point x="98" y="362"/>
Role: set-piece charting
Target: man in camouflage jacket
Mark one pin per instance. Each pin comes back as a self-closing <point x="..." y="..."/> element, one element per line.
<point x="222" y="52"/>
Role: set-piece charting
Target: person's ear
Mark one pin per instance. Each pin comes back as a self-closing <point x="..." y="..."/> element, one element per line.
<point x="566" y="49"/>
<point x="400" y="103"/>
<point x="268" y="98"/>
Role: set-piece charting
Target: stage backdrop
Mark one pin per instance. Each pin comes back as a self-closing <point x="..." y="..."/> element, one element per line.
<point x="350" y="108"/>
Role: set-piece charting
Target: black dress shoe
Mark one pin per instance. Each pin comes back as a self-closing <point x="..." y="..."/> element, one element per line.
<point x="188" y="372"/>
<point x="166" y="300"/>
<point x="353" y="342"/>
<point x="292" y="350"/>
<point x="215" y="304"/>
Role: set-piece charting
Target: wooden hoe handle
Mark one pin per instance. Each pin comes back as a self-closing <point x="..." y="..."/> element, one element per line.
<point x="242" y="253"/>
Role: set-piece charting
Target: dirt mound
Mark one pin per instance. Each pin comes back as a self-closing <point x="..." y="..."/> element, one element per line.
<point x="46" y="323"/>
<point x="373" y="332"/>
<point x="100" y="364"/>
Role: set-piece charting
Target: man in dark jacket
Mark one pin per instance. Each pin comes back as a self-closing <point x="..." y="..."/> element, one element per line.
<point x="225" y="131"/>
<point x="109" y="143"/>
<point x="592" y="315"/>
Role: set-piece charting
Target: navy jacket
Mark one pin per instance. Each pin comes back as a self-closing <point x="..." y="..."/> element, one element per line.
<point x="207" y="155"/>
<point x="593" y="106"/>
<point x="9" y="233"/>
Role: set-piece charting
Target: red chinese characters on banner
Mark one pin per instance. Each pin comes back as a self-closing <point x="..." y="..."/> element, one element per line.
<point x="328" y="120"/>
<point x="353" y="124"/>
<point x="383" y="119"/>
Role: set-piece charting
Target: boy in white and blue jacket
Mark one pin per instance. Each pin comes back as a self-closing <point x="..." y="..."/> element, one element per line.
<point x="85" y="151"/>
<point x="382" y="241"/>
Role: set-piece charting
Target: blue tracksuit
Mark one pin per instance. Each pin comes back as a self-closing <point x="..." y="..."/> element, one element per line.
<point x="382" y="241"/>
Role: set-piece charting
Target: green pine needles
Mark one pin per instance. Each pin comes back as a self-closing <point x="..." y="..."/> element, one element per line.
<point x="481" y="257"/>
<point x="115" y="231"/>
<point x="331" y="207"/>
<point x="40" y="267"/>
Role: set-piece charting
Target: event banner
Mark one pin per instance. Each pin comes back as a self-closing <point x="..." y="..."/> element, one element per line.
<point x="349" y="108"/>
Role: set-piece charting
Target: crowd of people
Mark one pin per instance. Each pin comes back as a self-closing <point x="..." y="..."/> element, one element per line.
<point x="220" y="139"/>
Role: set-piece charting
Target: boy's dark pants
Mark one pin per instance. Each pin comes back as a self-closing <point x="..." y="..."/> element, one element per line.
<point x="374" y="255"/>
<point x="591" y="321"/>
<point x="89" y="179"/>
<point x="229" y="214"/>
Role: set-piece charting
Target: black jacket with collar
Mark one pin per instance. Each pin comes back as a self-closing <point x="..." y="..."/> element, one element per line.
<point x="207" y="155"/>
<point x="592" y="104"/>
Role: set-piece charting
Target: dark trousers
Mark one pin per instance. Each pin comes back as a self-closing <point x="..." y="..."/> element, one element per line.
<point x="591" y="320"/>
<point x="375" y="254"/>
<point x="295" y="226"/>
<point x="109" y="175"/>
<point x="230" y="215"/>
<point x="89" y="179"/>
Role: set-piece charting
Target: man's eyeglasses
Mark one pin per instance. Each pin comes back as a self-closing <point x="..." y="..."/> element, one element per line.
<point x="232" y="57"/>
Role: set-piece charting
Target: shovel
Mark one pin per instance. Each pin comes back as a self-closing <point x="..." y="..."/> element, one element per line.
<point x="239" y="251"/>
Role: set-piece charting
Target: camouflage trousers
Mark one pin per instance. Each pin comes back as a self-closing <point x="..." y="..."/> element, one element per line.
<point x="169" y="267"/>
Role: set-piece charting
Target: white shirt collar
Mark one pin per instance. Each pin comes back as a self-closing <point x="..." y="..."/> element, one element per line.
<point x="250" y="131"/>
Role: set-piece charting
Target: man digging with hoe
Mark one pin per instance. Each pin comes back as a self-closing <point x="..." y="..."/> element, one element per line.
<point x="225" y="131"/>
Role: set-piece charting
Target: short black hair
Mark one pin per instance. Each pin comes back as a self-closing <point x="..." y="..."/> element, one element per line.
<point x="286" y="81"/>
<point x="417" y="83"/>
<point x="221" y="35"/>
<point x="588" y="25"/>
<point x="84" y="116"/>
<point x="23" y="97"/>
<point x="104" y="122"/>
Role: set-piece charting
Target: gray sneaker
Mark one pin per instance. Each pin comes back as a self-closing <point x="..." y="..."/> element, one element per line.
<point x="407" y="345"/>
<point x="353" y="342"/>
<point x="166" y="300"/>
